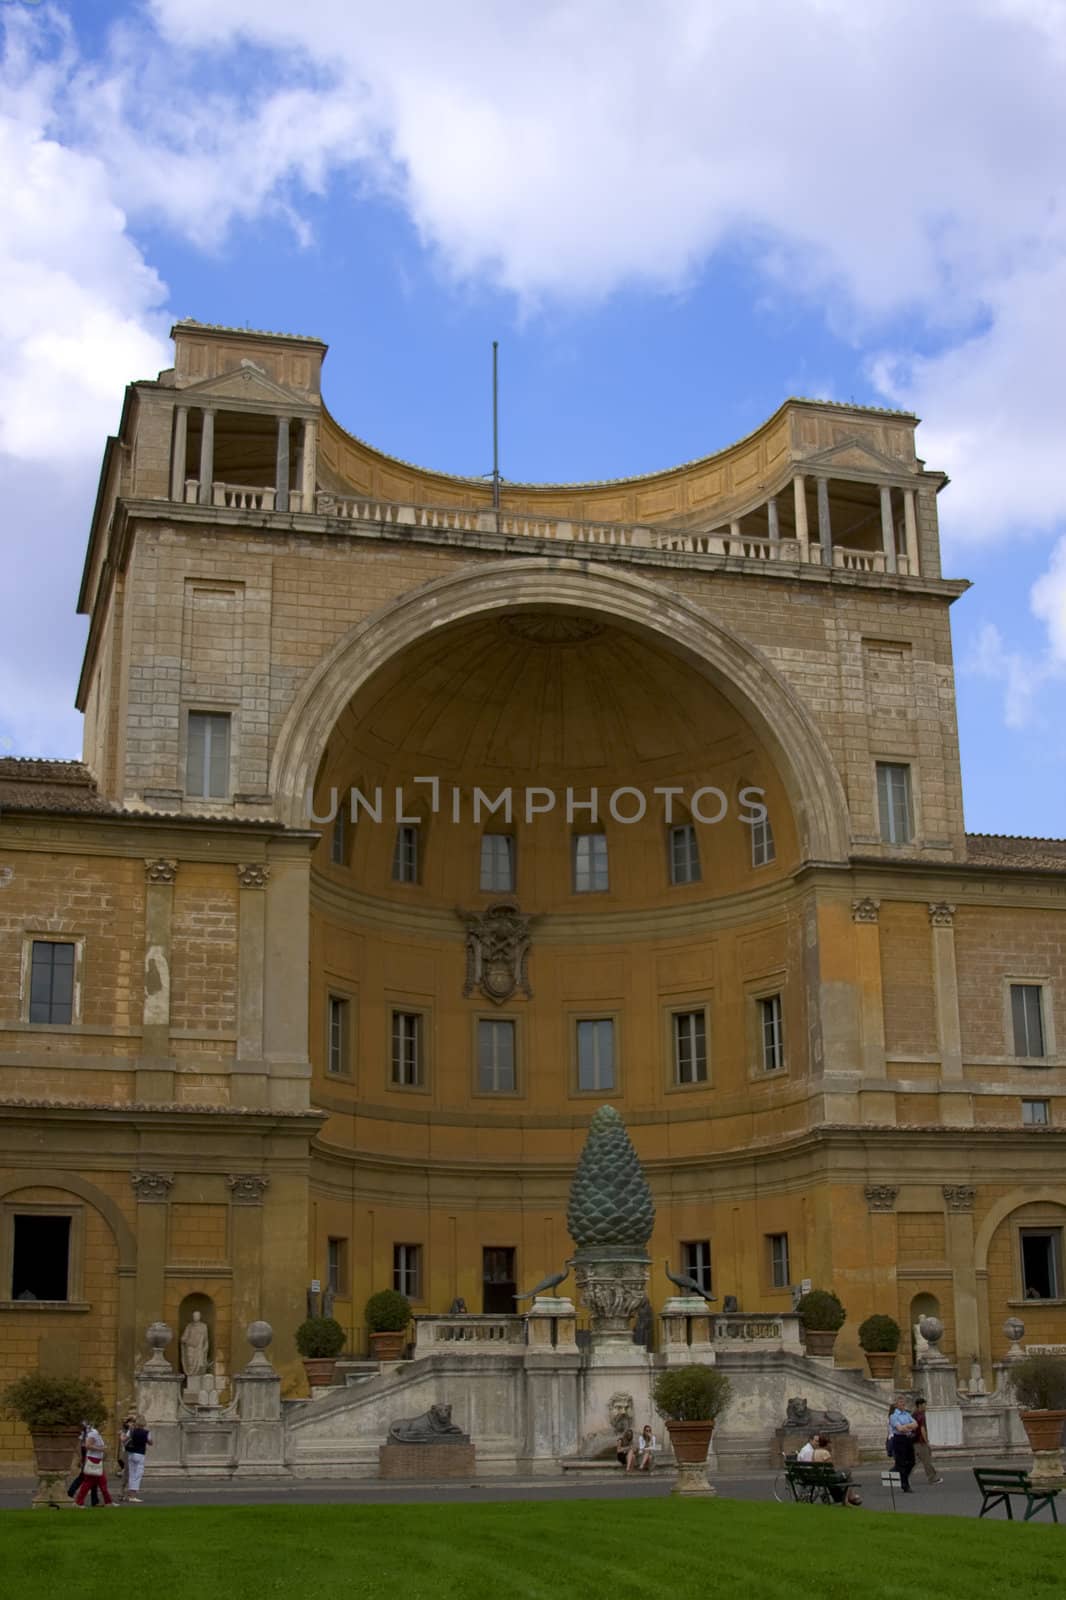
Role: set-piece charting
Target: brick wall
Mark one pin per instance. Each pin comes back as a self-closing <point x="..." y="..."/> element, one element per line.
<point x="907" y="979"/>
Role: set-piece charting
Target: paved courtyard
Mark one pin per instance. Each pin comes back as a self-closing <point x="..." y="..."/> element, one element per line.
<point x="956" y="1497"/>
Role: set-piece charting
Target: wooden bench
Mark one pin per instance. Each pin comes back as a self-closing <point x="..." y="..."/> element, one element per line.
<point x="813" y="1482"/>
<point x="998" y="1486"/>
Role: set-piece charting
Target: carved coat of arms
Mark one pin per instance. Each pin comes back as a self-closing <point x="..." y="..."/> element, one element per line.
<point x="497" y="951"/>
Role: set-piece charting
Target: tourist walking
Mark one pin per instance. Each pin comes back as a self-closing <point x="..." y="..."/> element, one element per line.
<point x="923" y="1452"/>
<point x="136" y="1439"/>
<point x="647" y="1448"/>
<point x="902" y="1431"/>
<point x="76" y="1483"/>
<point x="92" y="1469"/>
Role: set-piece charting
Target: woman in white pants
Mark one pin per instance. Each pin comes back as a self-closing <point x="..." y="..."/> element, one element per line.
<point x="138" y="1440"/>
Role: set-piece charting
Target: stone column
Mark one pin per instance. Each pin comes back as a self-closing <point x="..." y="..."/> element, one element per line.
<point x="825" y="531"/>
<point x="799" y="491"/>
<point x="247" y="1191"/>
<point x="910" y="525"/>
<point x="207" y="456"/>
<point x="945" y="984"/>
<point x="867" y="936"/>
<point x="308" y="464"/>
<point x="153" y="1195"/>
<point x="772" y="518"/>
<point x="177" y="460"/>
<point x="250" y="1080"/>
<point x="959" y="1241"/>
<point x="155" y="1069"/>
<point x="285" y="985"/>
<point x="281" y="499"/>
<point x="888" y="530"/>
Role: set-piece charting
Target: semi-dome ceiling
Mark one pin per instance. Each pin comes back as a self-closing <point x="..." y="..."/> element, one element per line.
<point x="549" y="693"/>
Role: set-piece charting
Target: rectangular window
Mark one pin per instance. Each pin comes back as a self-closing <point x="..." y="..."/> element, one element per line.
<point x="590" y="863"/>
<point x="497" y="863"/>
<point x="595" y="1055"/>
<point x="771" y="1038"/>
<point x="405" y="855"/>
<point x="1036" y="1113"/>
<point x="696" y="1262"/>
<point x="207" y="757"/>
<point x="779" y="1262"/>
<point x="894" y="802"/>
<point x="495" y="1055"/>
<point x="763" y="849"/>
<point x="407" y="1270"/>
<point x="337" y="1266"/>
<point x="40" y="1258"/>
<point x="407" y="1049"/>
<point x="338" y="1017"/>
<point x="1041" y="1263"/>
<point x="690" y="1047"/>
<point x="338" y="841"/>
<point x="1026" y="1012"/>
<point x="684" y="854"/>
<point x="51" y="982"/>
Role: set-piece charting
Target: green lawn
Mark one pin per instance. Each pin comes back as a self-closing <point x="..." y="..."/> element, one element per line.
<point x="603" y="1550"/>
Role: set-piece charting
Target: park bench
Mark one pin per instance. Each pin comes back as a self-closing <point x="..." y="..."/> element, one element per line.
<point x="998" y="1486"/>
<point x="813" y="1482"/>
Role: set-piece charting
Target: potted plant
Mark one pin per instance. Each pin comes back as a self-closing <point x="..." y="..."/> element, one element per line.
<point x="822" y="1316"/>
<point x="320" y="1341"/>
<point x="53" y="1410"/>
<point x="690" y="1400"/>
<point x="387" y="1314"/>
<point x="1040" y="1385"/>
<point x="879" y="1337"/>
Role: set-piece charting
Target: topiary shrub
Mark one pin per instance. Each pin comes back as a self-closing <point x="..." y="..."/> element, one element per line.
<point x="880" y="1333"/>
<point x="388" y="1311"/>
<point x="41" y="1402"/>
<point x="1040" y="1383"/>
<point x="320" y="1338"/>
<point x="691" y="1394"/>
<point x="821" y="1311"/>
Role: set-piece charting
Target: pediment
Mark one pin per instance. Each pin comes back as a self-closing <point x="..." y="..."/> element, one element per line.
<point x="249" y="384"/>
<point x="857" y="455"/>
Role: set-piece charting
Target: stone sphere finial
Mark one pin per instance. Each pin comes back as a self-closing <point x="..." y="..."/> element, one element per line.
<point x="159" y="1335"/>
<point x="259" y="1335"/>
<point x="1014" y="1328"/>
<point x="931" y="1330"/>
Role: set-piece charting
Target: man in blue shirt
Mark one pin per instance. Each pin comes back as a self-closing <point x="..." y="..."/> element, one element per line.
<point x="903" y="1429"/>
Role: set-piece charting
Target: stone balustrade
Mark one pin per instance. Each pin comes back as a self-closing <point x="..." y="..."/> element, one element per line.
<point x="467" y="1333"/>
<point x="728" y="543"/>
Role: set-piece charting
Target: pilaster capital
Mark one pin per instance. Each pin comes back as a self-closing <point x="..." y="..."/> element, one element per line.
<point x="865" y="910"/>
<point x="247" y="1188"/>
<point x="881" y="1196"/>
<point x="252" y="874"/>
<point x="160" y="870"/>
<point x="941" y="914"/>
<point x="152" y="1186"/>
<point x="959" y="1196"/>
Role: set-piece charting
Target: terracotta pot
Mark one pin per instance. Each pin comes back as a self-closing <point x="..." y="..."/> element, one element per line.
<point x="691" y="1440"/>
<point x="55" y="1448"/>
<point x="1044" y="1429"/>
<point x="819" y="1341"/>
<point x="388" y="1346"/>
<point x="882" y="1363"/>
<point x="320" y="1370"/>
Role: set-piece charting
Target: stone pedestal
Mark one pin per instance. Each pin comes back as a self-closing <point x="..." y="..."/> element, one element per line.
<point x="938" y="1379"/>
<point x="260" y="1436"/>
<point x="1047" y="1469"/>
<point x="426" y="1462"/>
<point x="686" y="1331"/>
<point x="551" y="1324"/>
<point x="158" y="1389"/>
<point x="613" y="1283"/>
<point x="692" y="1479"/>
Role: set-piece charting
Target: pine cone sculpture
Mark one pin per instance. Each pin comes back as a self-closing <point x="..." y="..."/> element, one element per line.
<point x="610" y="1202"/>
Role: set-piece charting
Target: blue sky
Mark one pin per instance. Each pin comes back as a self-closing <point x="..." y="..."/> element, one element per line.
<point x="671" y="215"/>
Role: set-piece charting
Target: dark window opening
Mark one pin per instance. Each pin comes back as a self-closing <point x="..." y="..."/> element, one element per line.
<point x="498" y="1280"/>
<point x="40" y="1268"/>
<point x="1042" y="1263"/>
<point x="52" y="982"/>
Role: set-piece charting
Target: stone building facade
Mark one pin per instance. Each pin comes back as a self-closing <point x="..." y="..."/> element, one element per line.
<point x="255" y="1034"/>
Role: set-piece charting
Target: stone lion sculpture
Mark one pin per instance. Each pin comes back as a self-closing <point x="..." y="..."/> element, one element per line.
<point x="434" y="1426"/>
<point x="800" y="1418"/>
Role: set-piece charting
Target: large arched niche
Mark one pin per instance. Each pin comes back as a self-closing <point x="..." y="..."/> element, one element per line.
<point x="740" y="674"/>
